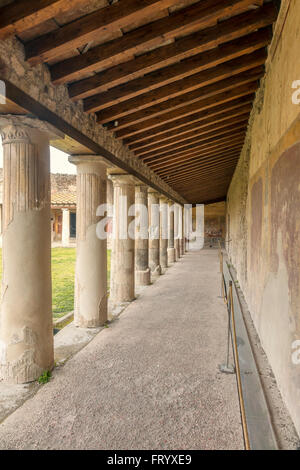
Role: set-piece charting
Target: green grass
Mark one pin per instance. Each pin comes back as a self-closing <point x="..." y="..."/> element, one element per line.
<point x="63" y="273"/>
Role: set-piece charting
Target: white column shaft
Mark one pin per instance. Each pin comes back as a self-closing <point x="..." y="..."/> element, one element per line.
<point x="26" y="334"/>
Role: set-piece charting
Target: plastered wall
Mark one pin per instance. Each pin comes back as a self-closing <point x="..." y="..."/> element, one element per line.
<point x="263" y="210"/>
<point x="214" y="222"/>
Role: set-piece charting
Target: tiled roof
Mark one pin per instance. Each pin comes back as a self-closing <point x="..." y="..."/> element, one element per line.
<point x="63" y="198"/>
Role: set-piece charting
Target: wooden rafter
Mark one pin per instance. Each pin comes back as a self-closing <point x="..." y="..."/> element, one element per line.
<point x="207" y="61"/>
<point x="197" y="139"/>
<point x="208" y="144"/>
<point x="196" y="96"/>
<point x="213" y="153"/>
<point x="168" y="164"/>
<point x="23" y="15"/>
<point x="206" y="12"/>
<point x="89" y="27"/>
<point x="216" y="127"/>
<point x="193" y="113"/>
<point x="212" y="114"/>
<point x="207" y="164"/>
<point x="194" y="82"/>
<point x="182" y="48"/>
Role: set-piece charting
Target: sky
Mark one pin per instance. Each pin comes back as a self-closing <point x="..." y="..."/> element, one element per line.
<point x="58" y="162"/>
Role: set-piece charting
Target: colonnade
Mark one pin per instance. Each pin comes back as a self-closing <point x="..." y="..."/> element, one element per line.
<point x="145" y="243"/>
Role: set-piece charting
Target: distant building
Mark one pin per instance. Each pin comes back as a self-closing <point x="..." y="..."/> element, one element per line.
<point x="63" y="208"/>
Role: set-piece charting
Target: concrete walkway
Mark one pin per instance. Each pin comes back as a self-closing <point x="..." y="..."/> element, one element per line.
<point x="149" y="381"/>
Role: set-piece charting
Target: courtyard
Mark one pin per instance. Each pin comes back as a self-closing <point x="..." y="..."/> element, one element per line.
<point x="63" y="272"/>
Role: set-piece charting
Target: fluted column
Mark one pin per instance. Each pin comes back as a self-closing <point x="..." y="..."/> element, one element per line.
<point x="182" y="233"/>
<point x="154" y="229"/>
<point x="90" y="310"/>
<point x="163" y="239"/>
<point x="188" y="228"/>
<point x="142" y="270"/>
<point x="176" y="232"/>
<point x="122" y="270"/>
<point x="171" y="248"/>
<point x="26" y="327"/>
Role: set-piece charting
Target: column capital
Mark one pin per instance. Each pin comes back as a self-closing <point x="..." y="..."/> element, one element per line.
<point x="139" y="184"/>
<point x="163" y="199"/>
<point x="28" y="124"/>
<point x="85" y="159"/>
<point x="14" y="133"/>
<point x="153" y="191"/>
<point x="122" y="179"/>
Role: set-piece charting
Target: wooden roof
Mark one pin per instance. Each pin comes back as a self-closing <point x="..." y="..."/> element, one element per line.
<point x="175" y="80"/>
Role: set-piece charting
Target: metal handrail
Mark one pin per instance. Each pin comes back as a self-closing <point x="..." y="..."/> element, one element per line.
<point x="228" y="300"/>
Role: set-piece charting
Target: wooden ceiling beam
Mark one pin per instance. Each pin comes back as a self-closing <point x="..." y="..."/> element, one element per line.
<point x="194" y="136"/>
<point x="207" y="191"/>
<point x="195" y="43"/>
<point x="192" y="153"/>
<point x="153" y="34"/>
<point x="23" y="15"/>
<point x="201" y="197"/>
<point x="89" y="27"/>
<point x="216" y="124"/>
<point x="206" y="156"/>
<point x="213" y="147"/>
<point x="199" y="163"/>
<point x="182" y="125"/>
<point x="215" y="140"/>
<point x="214" y="181"/>
<point x="196" y="177"/>
<point x="203" y="156"/>
<point x="211" y="184"/>
<point x="208" y="77"/>
<point x="197" y="139"/>
<point x="190" y="179"/>
<point x="184" y="99"/>
<point x="179" y="71"/>
<point x="208" y="165"/>
<point x="190" y="111"/>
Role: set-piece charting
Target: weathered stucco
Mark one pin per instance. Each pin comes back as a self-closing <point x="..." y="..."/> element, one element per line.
<point x="214" y="221"/>
<point x="263" y="210"/>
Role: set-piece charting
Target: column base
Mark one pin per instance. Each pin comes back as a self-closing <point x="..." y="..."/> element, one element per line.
<point x="177" y="250"/>
<point x="171" y="255"/>
<point x="156" y="271"/>
<point x="142" y="278"/>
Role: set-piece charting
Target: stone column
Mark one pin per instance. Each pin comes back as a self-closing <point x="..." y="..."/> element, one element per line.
<point x="90" y="309"/>
<point x="65" y="233"/>
<point x="122" y="270"/>
<point x="153" y="203"/>
<point x="142" y="270"/>
<point x="187" y="226"/>
<point x="171" y="248"/>
<point x="163" y="239"/>
<point x="110" y="205"/>
<point x="26" y="333"/>
<point x="182" y="235"/>
<point x="176" y="232"/>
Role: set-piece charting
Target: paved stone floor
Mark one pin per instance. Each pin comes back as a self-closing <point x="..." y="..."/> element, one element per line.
<point x="149" y="381"/>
